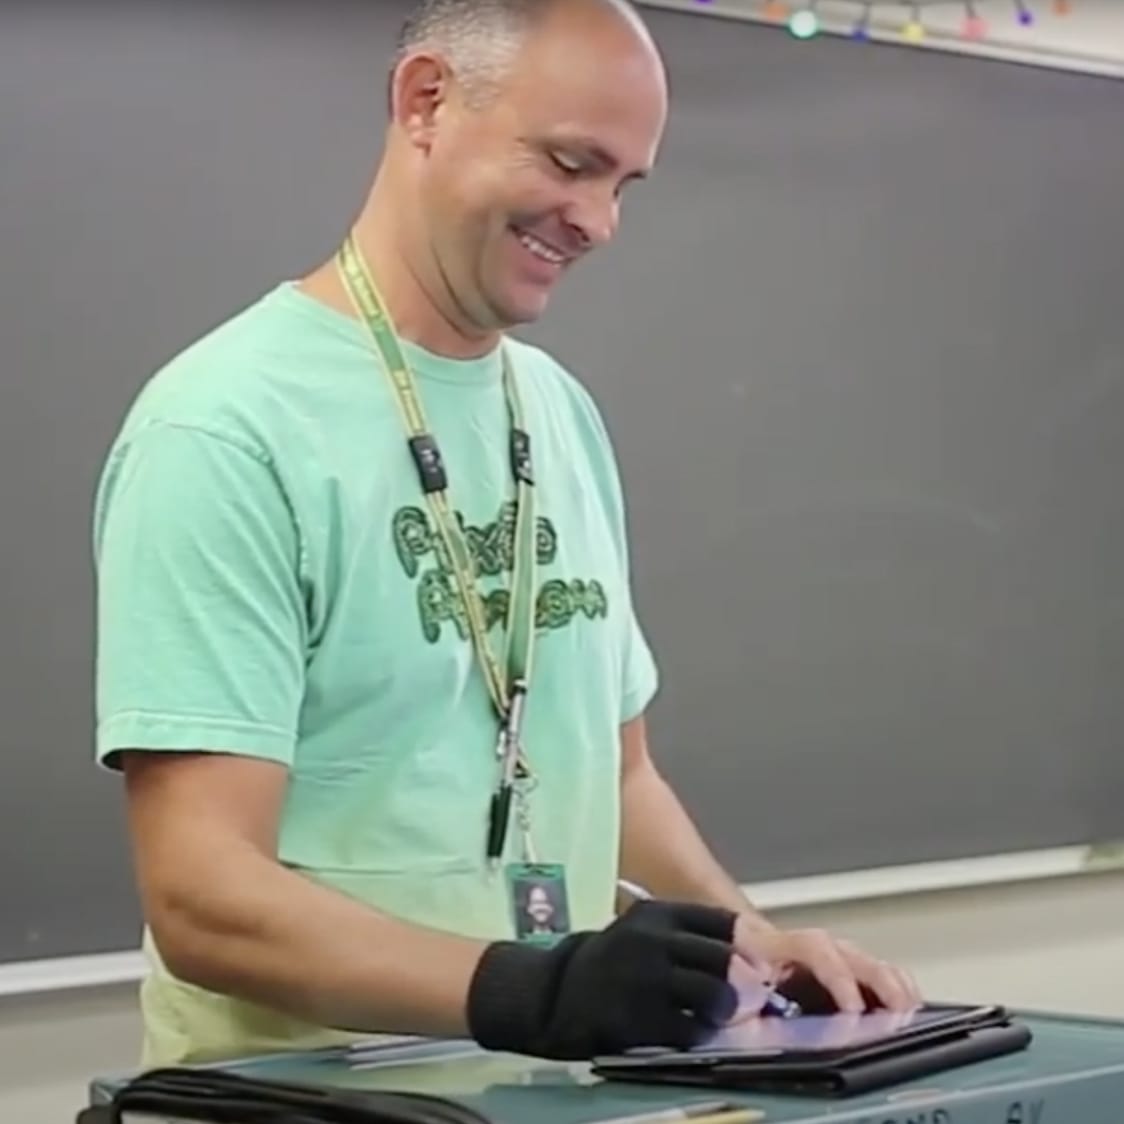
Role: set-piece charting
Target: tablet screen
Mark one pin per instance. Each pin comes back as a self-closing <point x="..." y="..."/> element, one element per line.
<point x="819" y="1032"/>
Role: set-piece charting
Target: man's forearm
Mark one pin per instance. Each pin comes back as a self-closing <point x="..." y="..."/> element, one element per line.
<point x="257" y="931"/>
<point x="663" y="851"/>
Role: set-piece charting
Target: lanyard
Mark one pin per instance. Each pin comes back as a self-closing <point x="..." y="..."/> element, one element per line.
<point x="507" y="682"/>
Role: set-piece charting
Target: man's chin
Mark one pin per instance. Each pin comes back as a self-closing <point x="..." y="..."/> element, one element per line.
<point x="524" y="311"/>
<point x="513" y="304"/>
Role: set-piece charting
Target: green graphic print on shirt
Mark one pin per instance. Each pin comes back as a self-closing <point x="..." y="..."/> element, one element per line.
<point x="423" y="555"/>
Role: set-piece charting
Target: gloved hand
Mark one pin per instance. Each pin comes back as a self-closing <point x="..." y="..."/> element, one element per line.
<point x="656" y="976"/>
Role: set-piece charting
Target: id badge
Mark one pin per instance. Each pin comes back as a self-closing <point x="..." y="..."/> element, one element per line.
<point x="540" y="909"/>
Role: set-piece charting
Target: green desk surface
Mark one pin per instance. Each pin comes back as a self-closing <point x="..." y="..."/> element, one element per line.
<point x="1072" y="1073"/>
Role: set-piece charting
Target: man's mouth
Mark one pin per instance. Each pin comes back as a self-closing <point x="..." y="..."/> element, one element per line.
<point x="542" y="250"/>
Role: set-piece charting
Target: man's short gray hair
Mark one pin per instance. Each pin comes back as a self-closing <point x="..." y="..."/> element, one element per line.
<point x="479" y="37"/>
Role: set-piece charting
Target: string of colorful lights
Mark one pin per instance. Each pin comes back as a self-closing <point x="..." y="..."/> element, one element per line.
<point x="803" y="18"/>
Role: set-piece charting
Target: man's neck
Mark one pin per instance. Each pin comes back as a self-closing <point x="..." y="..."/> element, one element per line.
<point x="416" y="316"/>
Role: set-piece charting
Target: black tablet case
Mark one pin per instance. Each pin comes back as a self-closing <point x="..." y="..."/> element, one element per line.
<point x="840" y="1074"/>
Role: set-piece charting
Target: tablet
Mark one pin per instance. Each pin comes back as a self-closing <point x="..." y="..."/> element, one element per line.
<point x="821" y="1037"/>
<point x="828" y="1055"/>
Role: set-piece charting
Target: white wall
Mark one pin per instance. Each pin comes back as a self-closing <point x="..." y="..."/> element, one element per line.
<point x="51" y="1045"/>
<point x="1056" y="944"/>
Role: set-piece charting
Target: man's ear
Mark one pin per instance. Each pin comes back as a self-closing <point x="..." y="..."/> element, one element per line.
<point x="420" y="89"/>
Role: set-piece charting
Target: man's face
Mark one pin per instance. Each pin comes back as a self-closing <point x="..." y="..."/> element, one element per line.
<point x="518" y="190"/>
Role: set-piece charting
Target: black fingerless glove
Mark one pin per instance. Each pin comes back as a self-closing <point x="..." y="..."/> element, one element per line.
<point x="657" y="976"/>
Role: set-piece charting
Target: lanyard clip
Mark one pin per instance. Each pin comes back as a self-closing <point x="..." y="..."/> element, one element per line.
<point x="511" y="732"/>
<point x="507" y="749"/>
<point x="513" y="721"/>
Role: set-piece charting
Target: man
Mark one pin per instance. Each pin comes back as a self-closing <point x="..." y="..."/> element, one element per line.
<point x="357" y="532"/>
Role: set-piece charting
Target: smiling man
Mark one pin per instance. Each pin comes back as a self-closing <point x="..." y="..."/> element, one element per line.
<point x="367" y="656"/>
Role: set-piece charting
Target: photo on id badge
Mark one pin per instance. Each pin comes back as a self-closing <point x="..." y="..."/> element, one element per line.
<point x="540" y="909"/>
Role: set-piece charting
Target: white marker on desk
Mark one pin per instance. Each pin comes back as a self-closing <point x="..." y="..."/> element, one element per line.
<point x="780" y="1004"/>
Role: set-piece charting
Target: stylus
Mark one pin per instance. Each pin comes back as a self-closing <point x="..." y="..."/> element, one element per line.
<point x="780" y="1004"/>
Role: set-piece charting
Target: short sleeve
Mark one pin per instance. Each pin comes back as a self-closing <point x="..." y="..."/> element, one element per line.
<point x="200" y="624"/>
<point x="641" y="676"/>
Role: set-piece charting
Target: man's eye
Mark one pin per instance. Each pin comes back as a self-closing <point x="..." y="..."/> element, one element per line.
<point x="566" y="163"/>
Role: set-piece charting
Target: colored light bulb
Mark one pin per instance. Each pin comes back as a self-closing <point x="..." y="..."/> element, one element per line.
<point x="774" y="10"/>
<point x="804" y="24"/>
<point x="974" y="27"/>
<point x="861" y="30"/>
<point x="914" y="31"/>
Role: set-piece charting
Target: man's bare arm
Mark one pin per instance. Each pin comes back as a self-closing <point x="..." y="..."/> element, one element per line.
<point x="227" y="916"/>
<point x="661" y="849"/>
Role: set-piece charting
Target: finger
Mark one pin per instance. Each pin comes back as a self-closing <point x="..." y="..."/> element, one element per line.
<point x="711" y="1000"/>
<point x="909" y="987"/>
<point x="821" y="956"/>
<point x="745" y="1012"/>
<point x="882" y="980"/>
<point x="904" y="983"/>
<point x="912" y="987"/>
<point x="679" y="1031"/>
<point x="758" y="949"/>
<point x="701" y="953"/>
<point x="752" y="989"/>
<point x="704" y="920"/>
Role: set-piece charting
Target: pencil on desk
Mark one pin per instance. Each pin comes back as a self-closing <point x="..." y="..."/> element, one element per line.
<point x="703" y="1112"/>
<point x="734" y="1116"/>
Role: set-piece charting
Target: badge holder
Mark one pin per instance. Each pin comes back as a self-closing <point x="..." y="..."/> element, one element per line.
<point x="540" y="907"/>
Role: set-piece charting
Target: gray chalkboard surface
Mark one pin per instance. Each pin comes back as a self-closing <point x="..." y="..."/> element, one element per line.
<point x="860" y="345"/>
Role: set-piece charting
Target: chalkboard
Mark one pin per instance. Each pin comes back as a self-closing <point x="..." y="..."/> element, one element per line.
<point x="859" y="344"/>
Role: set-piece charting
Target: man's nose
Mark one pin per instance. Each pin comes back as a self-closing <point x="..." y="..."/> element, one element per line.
<point x="594" y="216"/>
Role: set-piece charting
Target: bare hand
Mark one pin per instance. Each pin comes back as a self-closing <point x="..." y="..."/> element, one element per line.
<point x="851" y="979"/>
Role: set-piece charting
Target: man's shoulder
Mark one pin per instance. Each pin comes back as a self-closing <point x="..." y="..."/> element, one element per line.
<point x="216" y="423"/>
<point x="225" y="381"/>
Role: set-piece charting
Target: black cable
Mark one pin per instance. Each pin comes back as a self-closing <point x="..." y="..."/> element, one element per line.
<point x="216" y="1097"/>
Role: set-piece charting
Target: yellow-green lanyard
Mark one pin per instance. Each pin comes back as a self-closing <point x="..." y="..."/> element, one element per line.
<point x="507" y="685"/>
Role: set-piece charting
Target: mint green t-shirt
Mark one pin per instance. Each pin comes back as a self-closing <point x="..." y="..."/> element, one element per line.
<point x="267" y="585"/>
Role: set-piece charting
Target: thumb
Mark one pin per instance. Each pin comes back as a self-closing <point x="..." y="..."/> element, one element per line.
<point x="756" y="966"/>
<point x="751" y="989"/>
<point x="760" y="946"/>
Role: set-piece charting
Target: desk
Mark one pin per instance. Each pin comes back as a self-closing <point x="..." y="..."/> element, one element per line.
<point x="1073" y="1073"/>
